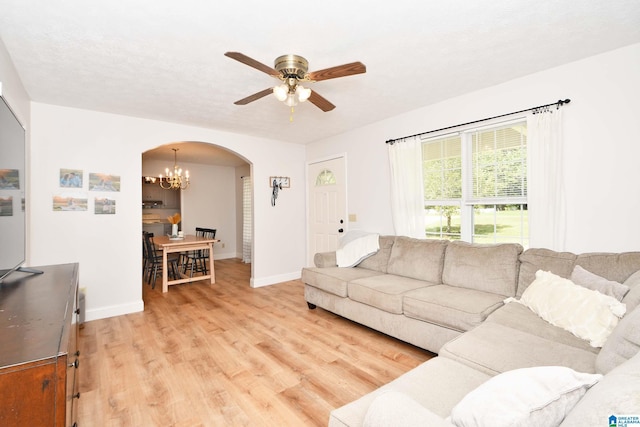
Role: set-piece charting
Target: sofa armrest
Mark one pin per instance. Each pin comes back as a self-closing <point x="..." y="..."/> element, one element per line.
<point x="325" y="259"/>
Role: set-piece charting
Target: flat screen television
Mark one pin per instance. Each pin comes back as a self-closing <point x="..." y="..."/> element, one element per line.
<point x="12" y="192"/>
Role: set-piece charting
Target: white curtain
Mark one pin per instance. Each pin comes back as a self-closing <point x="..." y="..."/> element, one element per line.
<point x="546" y="191"/>
<point x="407" y="188"/>
<point x="247" y="226"/>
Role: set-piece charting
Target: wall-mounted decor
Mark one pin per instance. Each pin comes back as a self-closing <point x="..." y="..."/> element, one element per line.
<point x="279" y="181"/>
<point x="104" y="182"/>
<point x="9" y="179"/>
<point x="70" y="202"/>
<point x="104" y="206"/>
<point x="71" y="178"/>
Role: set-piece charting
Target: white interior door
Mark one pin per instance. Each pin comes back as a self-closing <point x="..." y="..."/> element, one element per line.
<point x="327" y="192"/>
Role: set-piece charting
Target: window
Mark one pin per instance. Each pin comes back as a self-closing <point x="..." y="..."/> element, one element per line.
<point x="475" y="185"/>
<point x="326" y="177"/>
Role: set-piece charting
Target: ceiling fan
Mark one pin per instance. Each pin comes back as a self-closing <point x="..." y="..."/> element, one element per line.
<point x="292" y="70"/>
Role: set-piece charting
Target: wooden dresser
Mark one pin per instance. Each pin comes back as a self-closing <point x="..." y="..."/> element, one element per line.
<point x="39" y="359"/>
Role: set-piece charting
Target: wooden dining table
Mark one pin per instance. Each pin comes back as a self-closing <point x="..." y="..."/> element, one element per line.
<point x="187" y="243"/>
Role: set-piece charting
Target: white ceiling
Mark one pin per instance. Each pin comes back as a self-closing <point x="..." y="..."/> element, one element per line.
<point x="164" y="60"/>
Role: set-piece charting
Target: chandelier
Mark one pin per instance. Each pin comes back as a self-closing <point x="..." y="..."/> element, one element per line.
<point x="174" y="180"/>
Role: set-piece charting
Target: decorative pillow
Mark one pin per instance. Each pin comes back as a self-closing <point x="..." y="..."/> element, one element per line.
<point x="587" y="279"/>
<point x="622" y="345"/>
<point x="392" y="408"/>
<point x="540" y="396"/>
<point x="632" y="298"/>
<point x="616" y="394"/>
<point x="587" y="314"/>
<point x="355" y="246"/>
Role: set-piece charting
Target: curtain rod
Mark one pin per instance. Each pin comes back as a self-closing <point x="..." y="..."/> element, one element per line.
<point x="535" y="110"/>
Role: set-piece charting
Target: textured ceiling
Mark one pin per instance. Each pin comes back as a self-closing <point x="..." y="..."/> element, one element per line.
<point x="165" y="60"/>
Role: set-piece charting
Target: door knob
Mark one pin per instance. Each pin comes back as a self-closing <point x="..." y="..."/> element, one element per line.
<point x="340" y="230"/>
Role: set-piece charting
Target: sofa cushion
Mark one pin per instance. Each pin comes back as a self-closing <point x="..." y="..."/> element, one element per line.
<point x="612" y="266"/>
<point x="379" y="260"/>
<point x="540" y="396"/>
<point x="587" y="314"/>
<point x="417" y="258"/>
<point x="450" y="306"/>
<point x="394" y="408"/>
<point x="520" y="317"/>
<point x="384" y="291"/>
<point x="532" y="260"/>
<point x="494" y="348"/>
<point x="334" y="279"/>
<point x="587" y="279"/>
<point x="325" y="259"/>
<point x="437" y="384"/>
<point x="488" y="268"/>
<point x="623" y="343"/>
<point x="615" y="395"/>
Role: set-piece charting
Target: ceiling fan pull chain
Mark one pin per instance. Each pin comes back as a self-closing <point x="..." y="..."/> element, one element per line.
<point x="291" y="116"/>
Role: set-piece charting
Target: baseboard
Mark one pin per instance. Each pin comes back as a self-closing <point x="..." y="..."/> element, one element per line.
<point x="113" y="310"/>
<point x="271" y="280"/>
<point x="223" y="255"/>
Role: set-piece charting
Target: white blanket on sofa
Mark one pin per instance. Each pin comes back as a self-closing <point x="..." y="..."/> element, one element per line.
<point x="355" y="246"/>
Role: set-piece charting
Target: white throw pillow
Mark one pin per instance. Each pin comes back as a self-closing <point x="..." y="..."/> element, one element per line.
<point x="587" y="314"/>
<point x="587" y="279"/>
<point x="540" y="396"/>
<point x="355" y="246"/>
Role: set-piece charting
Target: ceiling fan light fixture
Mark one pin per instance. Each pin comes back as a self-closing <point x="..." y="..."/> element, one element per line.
<point x="303" y="93"/>
<point x="281" y="92"/>
<point x="291" y="100"/>
<point x="292" y="70"/>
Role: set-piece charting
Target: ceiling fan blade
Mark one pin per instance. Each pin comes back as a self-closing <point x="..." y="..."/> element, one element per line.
<point x="254" y="97"/>
<point x="252" y="63"/>
<point x="339" y="71"/>
<point x="320" y="102"/>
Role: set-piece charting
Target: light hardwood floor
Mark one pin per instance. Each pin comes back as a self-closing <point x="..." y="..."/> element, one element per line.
<point x="227" y="354"/>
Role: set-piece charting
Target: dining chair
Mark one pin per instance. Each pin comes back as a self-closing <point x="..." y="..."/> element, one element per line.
<point x="153" y="264"/>
<point x="197" y="261"/>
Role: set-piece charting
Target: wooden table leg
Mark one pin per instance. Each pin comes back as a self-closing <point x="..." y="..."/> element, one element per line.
<point x="213" y="272"/>
<point x="165" y="271"/>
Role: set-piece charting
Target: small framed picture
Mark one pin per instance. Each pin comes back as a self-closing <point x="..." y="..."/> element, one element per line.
<point x="104" y="182"/>
<point x="105" y="206"/>
<point x="70" y="202"/>
<point x="279" y="181"/>
<point x="71" y="178"/>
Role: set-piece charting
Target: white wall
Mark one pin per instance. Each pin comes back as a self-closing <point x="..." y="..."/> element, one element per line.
<point x="108" y="247"/>
<point x="601" y="136"/>
<point x="210" y="202"/>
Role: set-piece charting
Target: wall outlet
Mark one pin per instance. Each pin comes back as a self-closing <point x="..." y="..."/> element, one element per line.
<point x="352" y="218"/>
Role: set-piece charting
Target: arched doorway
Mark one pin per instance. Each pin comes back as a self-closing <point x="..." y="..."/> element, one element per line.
<point x="213" y="199"/>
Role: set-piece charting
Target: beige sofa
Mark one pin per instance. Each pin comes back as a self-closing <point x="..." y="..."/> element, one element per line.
<point x="448" y="298"/>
